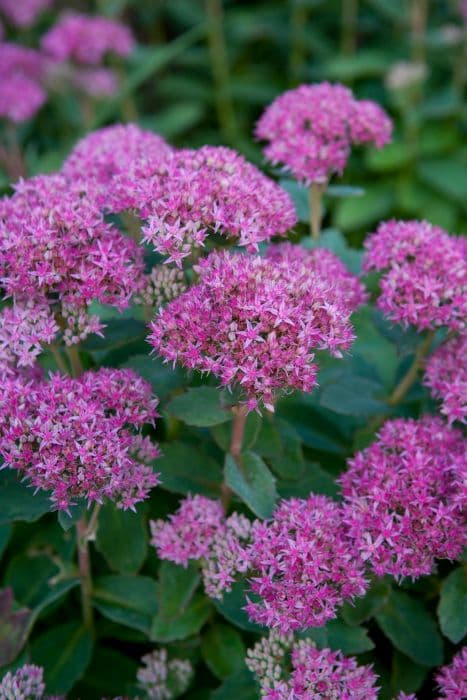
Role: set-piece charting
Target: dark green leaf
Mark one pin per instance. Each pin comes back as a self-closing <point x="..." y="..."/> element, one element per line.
<point x="223" y="650"/>
<point x="241" y="685"/>
<point x="338" y="636"/>
<point x="64" y="652"/>
<point x="163" y="377"/>
<point x="76" y="513"/>
<point x="29" y="577"/>
<point x="352" y="395"/>
<point x="5" y="534"/>
<point x="122" y="538"/>
<point x="187" y="622"/>
<point x="287" y="461"/>
<point x="185" y="469"/>
<point x="176" y="586"/>
<point x="128" y="600"/>
<point x="360" y="212"/>
<point x="362" y="609"/>
<point x="117" y="333"/>
<point x="14" y="626"/>
<point x="232" y="608"/>
<point x="452" y="608"/>
<point x="253" y="483"/>
<point x="406" y="675"/>
<point x="314" y="479"/>
<point x="200" y="407"/>
<point x="18" y="501"/>
<point x="448" y="176"/>
<point x="412" y="630"/>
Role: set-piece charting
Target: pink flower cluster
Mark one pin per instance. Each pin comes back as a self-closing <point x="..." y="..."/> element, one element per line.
<point x="254" y="323"/>
<point x="446" y="375"/>
<point x="115" y="160"/>
<point x="424" y="281"/>
<point x="304" y="564"/>
<point x="199" y="530"/>
<point x="24" y="684"/>
<point x="314" y="674"/>
<point x="405" y="496"/>
<point x="310" y="130"/>
<point x="162" y="678"/>
<point x="25" y="12"/>
<point x="87" y="39"/>
<point x="324" y="264"/>
<point x="211" y="189"/>
<point x="80" y="438"/>
<point x="56" y="249"/>
<point x="21" y="73"/>
<point x="452" y="679"/>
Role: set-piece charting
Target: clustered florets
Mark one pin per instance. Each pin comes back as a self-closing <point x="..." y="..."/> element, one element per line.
<point x="160" y="286"/>
<point x="211" y="189"/>
<point x="424" y="280"/>
<point x="24" y="13"/>
<point x="21" y="77"/>
<point x="25" y="684"/>
<point x="80" y="438"/>
<point x="452" y="679"/>
<point x="24" y="328"/>
<point x="446" y="376"/>
<point x="314" y="673"/>
<point x="254" y="323"/>
<point x="405" y="496"/>
<point x="161" y="678"/>
<point x="310" y="130"/>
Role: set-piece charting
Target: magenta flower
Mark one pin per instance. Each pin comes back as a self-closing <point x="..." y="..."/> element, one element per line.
<point x="87" y="39"/>
<point x="212" y="189"/>
<point x="24" y="12"/>
<point x="24" y="684"/>
<point x="327" y="266"/>
<point x="304" y="565"/>
<point x="446" y="376"/>
<point x="115" y="160"/>
<point x="311" y="129"/>
<point x="452" y="679"/>
<point x="424" y="274"/>
<point x="21" y="73"/>
<point x="314" y="673"/>
<point x="254" y="324"/>
<point x="81" y="438"/>
<point x="404" y="497"/>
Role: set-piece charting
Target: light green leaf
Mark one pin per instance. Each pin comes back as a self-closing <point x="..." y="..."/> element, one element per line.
<point x="253" y="483"/>
<point x="199" y="406"/>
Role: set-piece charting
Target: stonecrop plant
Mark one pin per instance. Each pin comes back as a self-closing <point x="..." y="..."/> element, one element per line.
<point x="232" y="437"/>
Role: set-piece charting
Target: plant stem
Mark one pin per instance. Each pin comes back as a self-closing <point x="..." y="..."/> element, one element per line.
<point x="240" y="414"/>
<point x="409" y="378"/>
<point x="84" y="563"/>
<point x="349" y="26"/>
<point x="92" y="525"/>
<point x="220" y="69"/>
<point x="418" y="21"/>
<point x="59" y="361"/>
<point x="298" y="18"/>
<point x="75" y="360"/>
<point x="315" y="197"/>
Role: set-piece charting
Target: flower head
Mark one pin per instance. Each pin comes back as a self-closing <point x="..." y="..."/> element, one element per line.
<point x="212" y="189"/>
<point x="21" y="73"/>
<point x="304" y="565"/>
<point x="446" y="376"/>
<point x="424" y="281"/>
<point x="80" y="438"/>
<point x="24" y="684"/>
<point x="87" y="39"/>
<point x="163" y="679"/>
<point x="404" y="496"/>
<point x="452" y="679"/>
<point x="310" y="130"/>
<point x="253" y="323"/>
<point x="24" y="13"/>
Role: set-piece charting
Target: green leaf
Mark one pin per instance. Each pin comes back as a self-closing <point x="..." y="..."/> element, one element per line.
<point x="122" y="538"/>
<point x="241" y="685"/>
<point x="452" y="608"/>
<point x="118" y="332"/>
<point x="200" y="407"/>
<point x="109" y="673"/>
<point x="339" y="191"/>
<point x="299" y="194"/>
<point x="76" y="512"/>
<point x="29" y="577"/>
<point x="5" y="534"/>
<point x="338" y="636"/>
<point x="64" y="651"/>
<point x="253" y="483"/>
<point x="361" y="212"/>
<point x="54" y="593"/>
<point x="394" y="156"/>
<point x="18" y="501"/>
<point x="374" y="347"/>
<point x="162" y="376"/>
<point x="14" y="627"/>
<point x="412" y="630"/>
<point x="448" y="176"/>
<point x="223" y="650"/>
<point x="352" y="395"/>
<point x="186" y="469"/>
<point x="186" y="623"/>
<point x="232" y="608"/>
<point x="365" y="64"/>
<point x="405" y="674"/>
<point x="314" y="479"/>
<point x="333" y="240"/>
<point x="362" y="609"/>
<point x="287" y="461"/>
<point x="127" y="600"/>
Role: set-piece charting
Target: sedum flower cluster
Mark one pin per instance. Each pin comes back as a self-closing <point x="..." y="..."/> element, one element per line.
<point x="405" y="497"/>
<point x="446" y="376"/>
<point x="81" y="438"/>
<point x="254" y="323"/>
<point x="24" y="328"/>
<point x="313" y="674"/>
<point x="311" y="129"/>
<point x="161" y="678"/>
<point x="424" y="274"/>
<point x="24" y="13"/>
<point x="25" y="684"/>
<point x="21" y="82"/>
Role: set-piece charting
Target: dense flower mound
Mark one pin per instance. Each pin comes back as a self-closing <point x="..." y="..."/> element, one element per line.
<point x="404" y="496"/>
<point x="212" y="189"/>
<point x="200" y="531"/>
<point x="325" y="265"/>
<point x="424" y="281"/>
<point x="80" y="438"/>
<point x="21" y="72"/>
<point x="253" y="323"/>
<point x="452" y="679"/>
<point x="56" y="248"/>
<point x="25" y="12"/>
<point x="24" y="684"/>
<point x="314" y="673"/>
<point x="23" y="330"/>
<point x="115" y="159"/>
<point x="304" y="565"/>
<point x="310" y="130"/>
<point x="446" y="375"/>
<point x="163" y="679"/>
<point x="87" y="39"/>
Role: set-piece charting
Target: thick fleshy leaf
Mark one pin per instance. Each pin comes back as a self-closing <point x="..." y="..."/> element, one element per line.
<point x="200" y="406"/>
<point x="18" y="501"/>
<point x="128" y="600"/>
<point x="452" y="608"/>
<point x="253" y="483"/>
<point x="223" y="650"/>
<point x="64" y="652"/>
<point x="122" y="538"/>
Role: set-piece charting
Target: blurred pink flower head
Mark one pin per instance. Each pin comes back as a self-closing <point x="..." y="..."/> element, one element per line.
<point x="23" y="13"/>
<point x="21" y="73"/>
<point x="446" y="376"/>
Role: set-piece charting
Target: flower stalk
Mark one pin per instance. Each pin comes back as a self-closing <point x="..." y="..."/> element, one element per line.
<point x="240" y="415"/>
<point x="84" y="563"/>
<point x="315" y="200"/>
<point x="410" y="377"/>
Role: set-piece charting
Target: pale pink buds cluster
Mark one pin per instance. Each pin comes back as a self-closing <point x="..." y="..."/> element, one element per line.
<point x="81" y="438"/>
<point x="313" y="673"/>
<point x="21" y="75"/>
<point x="160" y="286"/>
<point x="212" y="189"/>
<point x="24" y="684"/>
<point x="446" y="376"/>
<point x="162" y="678"/>
<point x="254" y="323"/>
<point x="311" y="129"/>
<point x="424" y="274"/>
<point x="405" y="495"/>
